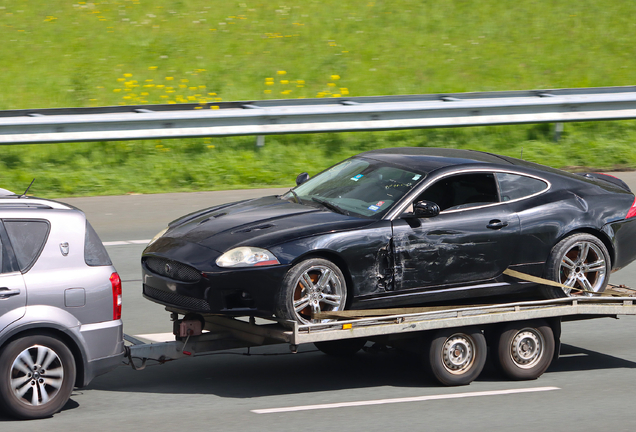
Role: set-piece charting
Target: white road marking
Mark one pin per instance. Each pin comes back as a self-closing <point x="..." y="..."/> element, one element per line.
<point x="126" y="242"/>
<point x="156" y="337"/>
<point x="407" y="399"/>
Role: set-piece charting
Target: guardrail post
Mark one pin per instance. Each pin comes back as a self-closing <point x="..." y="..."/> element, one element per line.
<point x="558" y="130"/>
<point x="260" y="141"/>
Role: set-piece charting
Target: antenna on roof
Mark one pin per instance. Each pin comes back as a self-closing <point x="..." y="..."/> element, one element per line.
<point x="27" y="189"/>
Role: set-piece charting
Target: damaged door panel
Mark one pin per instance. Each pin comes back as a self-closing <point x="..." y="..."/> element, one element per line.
<point x="457" y="247"/>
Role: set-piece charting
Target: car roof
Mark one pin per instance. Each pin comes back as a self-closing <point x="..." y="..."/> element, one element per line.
<point x="427" y="159"/>
<point x="13" y="202"/>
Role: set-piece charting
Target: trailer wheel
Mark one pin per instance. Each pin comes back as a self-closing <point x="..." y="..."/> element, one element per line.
<point x="456" y="356"/>
<point x="311" y="286"/>
<point x="37" y="374"/>
<point x="341" y="348"/>
<point x="524" y="350"/>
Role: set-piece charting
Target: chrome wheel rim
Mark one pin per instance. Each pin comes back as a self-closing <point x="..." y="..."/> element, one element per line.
<point x="37" y="375"/>
<point x="458" y="354"/>
<point x="318" y="289"/>
<point x="526" y="349"/>
<point x="584" y="267"/>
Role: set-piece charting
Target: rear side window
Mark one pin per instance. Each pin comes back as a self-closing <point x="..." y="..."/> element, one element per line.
<point x="514" y="186"/>
<point x="27" y="238"/>
<point x="94" y="251"/>
<point x="3" y="268"/>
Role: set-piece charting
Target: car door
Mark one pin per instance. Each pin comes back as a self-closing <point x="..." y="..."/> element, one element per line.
<point x="471" y="240"/>
<point x="13" y="294"/>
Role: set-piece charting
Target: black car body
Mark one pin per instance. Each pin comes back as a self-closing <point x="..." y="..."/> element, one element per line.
<point x="496" y="213"/>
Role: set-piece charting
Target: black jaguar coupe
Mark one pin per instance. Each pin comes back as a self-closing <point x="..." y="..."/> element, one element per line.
<point x="396" y="227"/>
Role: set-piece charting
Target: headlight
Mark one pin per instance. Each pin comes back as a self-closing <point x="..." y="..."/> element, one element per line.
<point x="155" y="238"/>
<point x="246" y="257"/>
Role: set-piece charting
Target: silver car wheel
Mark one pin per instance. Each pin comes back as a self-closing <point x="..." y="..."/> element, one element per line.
<point x="318" y="289"/>
<point x="583" y="266"/>
<point x="37" y="375"/>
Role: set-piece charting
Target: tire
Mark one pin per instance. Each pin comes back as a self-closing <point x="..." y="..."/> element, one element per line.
<point x="311" y="286"/>
<point x="37" y="375"/>
<point x="523" y="351"/>
<point x="456" y="356"/>
<point x="341" y="348"/>
<point x="580" y="261"/>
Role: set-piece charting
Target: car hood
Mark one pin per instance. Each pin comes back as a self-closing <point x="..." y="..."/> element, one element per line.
<point x="262" y="222"/>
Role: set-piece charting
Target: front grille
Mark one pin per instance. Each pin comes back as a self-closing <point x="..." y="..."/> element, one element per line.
<point x="172" y="269"/>
<point x="189" y="303"/>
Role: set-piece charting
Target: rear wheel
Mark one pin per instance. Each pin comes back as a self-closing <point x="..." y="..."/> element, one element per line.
<point x="456" y="356"/>
<point x="311" y="286"/>
<point x="523" y="351"/>
<point x="37" y="374"/>
<point x="578" y="261"/>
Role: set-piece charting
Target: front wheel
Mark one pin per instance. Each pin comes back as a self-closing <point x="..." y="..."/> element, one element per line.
<point x="579" y="261"/>
<point x="37" y="374"/>
<point x="311" y="286"/>
<point x="456" y="356"/>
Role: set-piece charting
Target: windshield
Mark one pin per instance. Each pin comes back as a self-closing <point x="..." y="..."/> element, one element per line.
<point x="358" y="187"/>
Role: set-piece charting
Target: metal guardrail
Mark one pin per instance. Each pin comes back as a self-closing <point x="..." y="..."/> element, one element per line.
<point x="316" y="115"/>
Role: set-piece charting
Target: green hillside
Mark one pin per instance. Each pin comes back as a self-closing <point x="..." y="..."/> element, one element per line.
<point x="63" y="53"/>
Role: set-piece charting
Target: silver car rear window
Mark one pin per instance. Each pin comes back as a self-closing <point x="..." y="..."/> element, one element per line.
<point x="94" y="251"/>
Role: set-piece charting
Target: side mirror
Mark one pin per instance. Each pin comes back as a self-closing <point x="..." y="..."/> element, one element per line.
<point x="302" y="178"/>
<point x="425" y="209"/>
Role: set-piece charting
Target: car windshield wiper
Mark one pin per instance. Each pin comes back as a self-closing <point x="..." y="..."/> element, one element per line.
<point x="296" y="196"/>
<point x="330" y="206"/>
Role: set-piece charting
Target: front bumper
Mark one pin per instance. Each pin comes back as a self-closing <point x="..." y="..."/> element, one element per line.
<point x="244" y="291"/>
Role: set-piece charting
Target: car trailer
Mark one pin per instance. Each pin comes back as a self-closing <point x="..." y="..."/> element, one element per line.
<point x="523" y="337"/>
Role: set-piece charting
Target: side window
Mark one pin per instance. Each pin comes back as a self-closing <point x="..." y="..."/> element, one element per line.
<point x="94" y="251"/>
<point x="27" y="238"/>
<point x="3" y="267"/>
<point x="462" y="191"/>
<point x="514" y="186"/>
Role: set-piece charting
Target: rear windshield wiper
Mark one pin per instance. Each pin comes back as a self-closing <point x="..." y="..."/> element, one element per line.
<point x="330" y="206"/>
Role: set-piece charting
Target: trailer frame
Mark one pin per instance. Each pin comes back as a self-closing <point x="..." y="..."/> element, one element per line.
<point x="225" y="333"/>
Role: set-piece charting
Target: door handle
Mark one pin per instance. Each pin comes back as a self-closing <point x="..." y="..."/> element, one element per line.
<point x="496" y="224"/>
<point x="6" y="292"/>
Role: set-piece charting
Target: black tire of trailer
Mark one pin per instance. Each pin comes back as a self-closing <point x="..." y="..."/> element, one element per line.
<point x="456" y="357"/>
<point x="47" y="390"/>
<point x="523" y="350"/>
<point x="341" y="348"/>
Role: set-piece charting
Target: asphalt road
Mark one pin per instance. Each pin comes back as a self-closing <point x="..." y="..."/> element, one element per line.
<point x="589" y="388"/>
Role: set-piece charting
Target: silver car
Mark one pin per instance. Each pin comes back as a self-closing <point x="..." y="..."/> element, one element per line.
<point x="60" y="305"/>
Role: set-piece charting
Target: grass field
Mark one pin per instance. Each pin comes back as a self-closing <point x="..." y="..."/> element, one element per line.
<point x="64" y="53"/>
